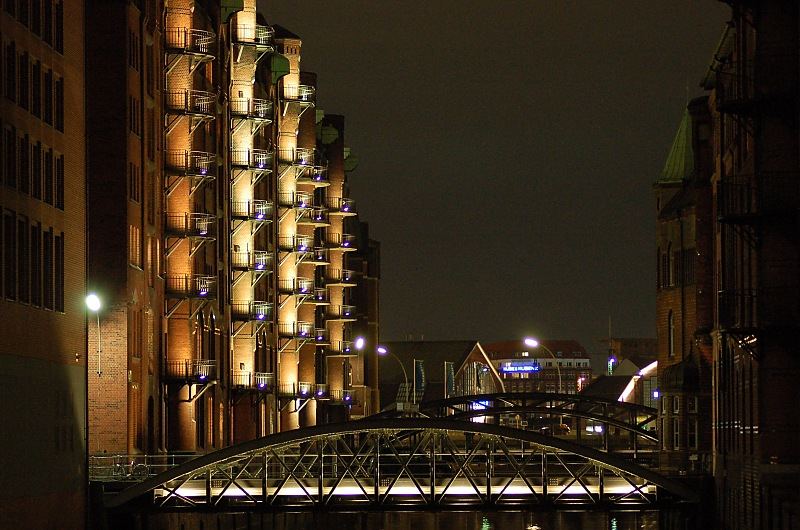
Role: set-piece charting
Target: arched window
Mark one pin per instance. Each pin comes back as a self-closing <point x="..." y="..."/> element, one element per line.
<point x="671" y="334"/>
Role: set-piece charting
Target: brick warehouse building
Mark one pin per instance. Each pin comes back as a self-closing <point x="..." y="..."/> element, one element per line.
<point x="684" y="310"/>
<point x="226" y="275"/>
<point x="43" y="275"/>
<point x="753" y="83"/>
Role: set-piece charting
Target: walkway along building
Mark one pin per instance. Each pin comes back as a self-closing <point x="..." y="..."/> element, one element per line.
<point x="221" y="257"/>
<point x="42" y="288"/>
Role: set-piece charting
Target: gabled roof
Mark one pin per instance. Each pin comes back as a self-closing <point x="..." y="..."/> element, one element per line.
<point x="680" y="161"/>
<point x="607" y="386"/>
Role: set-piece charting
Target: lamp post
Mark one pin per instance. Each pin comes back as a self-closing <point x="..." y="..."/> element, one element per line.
<point x="93" y="304"/>
<point x="533" y="343"/>
<point x="384" y="352"/>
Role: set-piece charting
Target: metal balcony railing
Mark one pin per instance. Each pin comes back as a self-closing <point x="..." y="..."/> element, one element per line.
<point x="314" y="216"/>
<point x="340" y="277"/>
<point x="341" y="347"/>
<point x="296" y="243"/>
<point x="345" y="396"/>
<point x="298" y="156"/>
<point x="192" y="102"/>
<point x="254" y="260"/>
<point x="743" y="197"/>
<point x="200" y="164"/>
<point x="253" y="35"/>
<point x="341" y="205"/>
<point x="255" y="210"/>
<point x="317" y="176"/>
<point x="341" y="241"/>
<point x="321" y="391"/>
<point x="299" y="329"/>
<point x="251" y="108"/>
<point x="321" y="336"/>
<point x="264" y="381"/>
<point x="194" y="225"/>
<point x="321" y="256"/>
<point x="340" y="312"/>
<point x="202" y="371"/>
<point x="298" y="200"/>
<point x="296" y="286"/>
<point x="251" y="311"/>
<point x="321" y="296"/>
<point x="254" y="159"/>
<point x="191" y="41"/>
<point x="191" y="286"/>
<point x="298" y="93"/>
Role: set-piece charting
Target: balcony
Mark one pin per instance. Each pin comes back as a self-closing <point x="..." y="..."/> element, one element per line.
<point x="321" y="336"/>
<point x="346" y="396"/>
<point x="253" y="35"/>
<point x="744" y="198"/>
<point x="190" y="41"/>
<point x="340" y="277"/>
<point x="745" y="311"/>
<point x="313" y="216"/>
<point x="321" y="391"/>
<point x="320" y="256"/>
<point x="320" y="297"/>
<point x="296" y="286"/>
<point x="344" y="242"/>
<point x="256" y="260"/>
<point x="318" y="176"/>
<point x="255" y="210"/>
<point x="188" y="370"/>
<point x="251" y="311"/>
<point x="191" y="103"/>
<point x="296" y="330"/>
<point x="735" y="89"/>
<point x="341" y="206"/>
<point x="298" y="200"/>
<point x="261" y="381"/>
<point x="252" y="159"/>
<point x="191" y="286"/>
<point x="299" y="94"/>
<point x="340" y="312"/>
<point x="303" y="157"/>
<point x="296" y="243"/>
<point x="341" y="348"/>
<point x="192" y="225"/>
<point x="195" y="164"/>
<point x="252" y="109"/>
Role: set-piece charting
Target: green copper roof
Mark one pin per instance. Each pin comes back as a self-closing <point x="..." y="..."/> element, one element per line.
<point x="229" y="7"/>
<point x="680" y="162"/>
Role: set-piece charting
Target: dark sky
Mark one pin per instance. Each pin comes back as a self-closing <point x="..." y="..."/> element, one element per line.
<point x="507" y="152"/>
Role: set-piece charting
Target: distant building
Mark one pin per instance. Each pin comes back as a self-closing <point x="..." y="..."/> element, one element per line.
<point x="441" y="368"/>
<point x="532" y="369"/>
<point x="684" y="311"/>
<point x="621" y="348"/>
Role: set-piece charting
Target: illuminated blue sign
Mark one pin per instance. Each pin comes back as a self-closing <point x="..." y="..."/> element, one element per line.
<point x="520" y="366"/>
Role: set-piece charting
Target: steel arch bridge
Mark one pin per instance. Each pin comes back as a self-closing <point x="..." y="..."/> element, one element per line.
<point x="403" y="463"/>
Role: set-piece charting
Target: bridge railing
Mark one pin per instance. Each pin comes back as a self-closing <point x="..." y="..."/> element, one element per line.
<point x="132" y="467"/>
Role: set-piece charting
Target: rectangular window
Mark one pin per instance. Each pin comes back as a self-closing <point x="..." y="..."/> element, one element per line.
<point x="134" y="246"/>
<point x="691" y="433"/>
<point x="48" y="96"/>
<point x="676" y="404"/>
<point x="48" y="176"/>
<point x="664" y="405"/>
<point x="60" y="182"/>
<point x="11" y="71"/>
<point x="59" y="100"/>
<point x="36" y="89"/>
<point x="688" y="266"/>
<point x="691" y="405"/>
<point x="36" y="264"/>
<point x="10" y="152"/>
<point x="47" y="269"/>
<point x="151" y="203"/>
<point x="23" y="263"/>
<point x="10" y="255"/>
<point x="59" y="273"/>
<point x="36" y="173"/>
<point x="149" y="69"/>
<point x="36" y="17"/>
<point x="24" y="164"/>
<point x="59" y="44"/>
<point x="24" y="80"/>
<point x="47" y="33"/>
<point x="676" y="434"/>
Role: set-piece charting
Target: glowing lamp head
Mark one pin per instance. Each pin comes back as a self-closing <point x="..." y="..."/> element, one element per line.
<point x="382" y="350"/>
<point x="93" y="302"/>
<point x="359" y="344"/>
<point x="261" y="385"/>
<point x="530" y="341"/>
<point x="656" y="393"/>
<point x="348" y="397"/>
<point x="202" y="377"/>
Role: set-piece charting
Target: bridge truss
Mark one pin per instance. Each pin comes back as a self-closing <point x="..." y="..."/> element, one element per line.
<point x="403" y="463"/>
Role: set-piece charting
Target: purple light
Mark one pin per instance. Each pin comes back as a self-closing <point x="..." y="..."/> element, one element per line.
<point x="347" y="397"/>
<point x="261" y="385"/>
<point x="320" y="337"/>
<point x="203" y="171"/>
<point x="320" y="392"/>
<point x="346" y="208"/>
<point x="260" y="266"/>
<point x="261" y="316"/>
<point x="203" y="292"/>
<point x="203" y="232"/>
<point x="260" y="216"/>
<point x="202" y="378"/>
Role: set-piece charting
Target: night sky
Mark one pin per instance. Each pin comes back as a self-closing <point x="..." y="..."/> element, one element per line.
<point x="507" y="152"/>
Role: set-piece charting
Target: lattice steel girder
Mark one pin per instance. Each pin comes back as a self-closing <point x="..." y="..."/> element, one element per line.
<point x="405" y="462"/>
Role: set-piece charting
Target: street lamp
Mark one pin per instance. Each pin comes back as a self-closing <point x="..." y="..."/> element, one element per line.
<point x="384" y="352"/>
<point x="359" y="343"/>
<point x="93" y="304"/>
<point x="533" y="343"/>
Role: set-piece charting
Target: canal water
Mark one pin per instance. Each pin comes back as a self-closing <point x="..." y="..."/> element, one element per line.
<point x="549" y="520"/>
